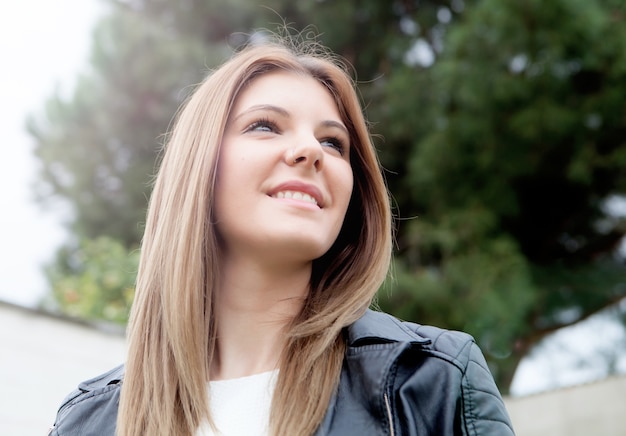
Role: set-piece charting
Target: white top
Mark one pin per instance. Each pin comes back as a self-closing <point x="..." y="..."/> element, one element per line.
<point x="241" y="406"/>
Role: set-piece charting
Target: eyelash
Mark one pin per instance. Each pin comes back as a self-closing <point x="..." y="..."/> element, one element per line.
<point x="335" y="143"/>
<point x="263" y="122"/>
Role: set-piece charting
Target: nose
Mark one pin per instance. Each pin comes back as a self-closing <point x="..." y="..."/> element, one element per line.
<point x="308" y="154"/>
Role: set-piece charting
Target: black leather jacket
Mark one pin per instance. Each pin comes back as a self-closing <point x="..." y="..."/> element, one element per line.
<point x="398" y="379"/>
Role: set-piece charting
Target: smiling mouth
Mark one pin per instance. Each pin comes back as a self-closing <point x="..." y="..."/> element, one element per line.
<point x="295" y="195"/>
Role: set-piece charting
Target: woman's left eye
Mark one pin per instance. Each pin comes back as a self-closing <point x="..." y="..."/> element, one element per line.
<point x="334" y="143"/>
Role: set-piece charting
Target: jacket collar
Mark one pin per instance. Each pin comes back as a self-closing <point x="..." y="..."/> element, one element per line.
<point x="379" y="327"/>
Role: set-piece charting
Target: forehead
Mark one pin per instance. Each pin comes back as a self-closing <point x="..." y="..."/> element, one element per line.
<point x="288" y="87"/>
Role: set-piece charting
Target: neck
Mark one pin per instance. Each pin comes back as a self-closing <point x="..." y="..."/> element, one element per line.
<point x="254" y="306"/>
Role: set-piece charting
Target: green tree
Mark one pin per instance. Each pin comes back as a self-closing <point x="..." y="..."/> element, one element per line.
<point x="512" y="239"/>
<point x="101" y="282"/>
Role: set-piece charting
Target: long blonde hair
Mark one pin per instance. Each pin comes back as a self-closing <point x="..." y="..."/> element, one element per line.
<point x="172" y="331"/>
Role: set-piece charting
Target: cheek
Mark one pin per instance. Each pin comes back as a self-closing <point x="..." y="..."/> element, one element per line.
<point x="227" y="187"/>
<point x="230" y="166"/>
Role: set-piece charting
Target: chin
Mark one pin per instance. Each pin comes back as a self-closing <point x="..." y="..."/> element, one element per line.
<point x="298" y="247"/>
<point x="306" y="251"/>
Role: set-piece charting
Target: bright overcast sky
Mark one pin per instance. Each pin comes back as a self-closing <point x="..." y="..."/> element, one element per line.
<point x="43" y="44"/>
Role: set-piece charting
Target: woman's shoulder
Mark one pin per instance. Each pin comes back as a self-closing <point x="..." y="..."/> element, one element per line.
<point x="380" y="327"/>
<point x="424" y="356"/>
<point x="91" y="409"/>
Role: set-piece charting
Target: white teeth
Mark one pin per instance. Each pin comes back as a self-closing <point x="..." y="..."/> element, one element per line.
<point x="295" y="195"/>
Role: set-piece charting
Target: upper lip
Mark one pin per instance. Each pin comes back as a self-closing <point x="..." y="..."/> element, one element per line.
<point x="295" y="185"/>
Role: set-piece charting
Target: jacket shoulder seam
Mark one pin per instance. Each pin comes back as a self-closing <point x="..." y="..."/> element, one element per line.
<point x="103" y="380"/>
<point x="109" y="389"/>
<point x="449" y="344"/>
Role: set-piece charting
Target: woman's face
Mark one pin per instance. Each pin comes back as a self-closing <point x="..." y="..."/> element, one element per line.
<point x="284" y="174"/>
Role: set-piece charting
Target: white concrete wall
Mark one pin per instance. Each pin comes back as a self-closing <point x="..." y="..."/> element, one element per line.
<point x="42" y="359"/>
<point x="594" y="409"/>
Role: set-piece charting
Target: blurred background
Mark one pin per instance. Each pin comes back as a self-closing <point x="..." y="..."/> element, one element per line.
<point x="501" y="127"/>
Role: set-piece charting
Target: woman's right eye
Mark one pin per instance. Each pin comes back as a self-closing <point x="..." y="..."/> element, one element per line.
<point x="262" y="125"/>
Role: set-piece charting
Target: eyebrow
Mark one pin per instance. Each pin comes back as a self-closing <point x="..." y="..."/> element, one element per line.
<point x="338" y="125"/>
<point x="283" y="112"/>
<point x="264" y="107"/>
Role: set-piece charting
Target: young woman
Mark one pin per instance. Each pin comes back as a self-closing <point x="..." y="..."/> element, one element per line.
<point x="268" y="235"/>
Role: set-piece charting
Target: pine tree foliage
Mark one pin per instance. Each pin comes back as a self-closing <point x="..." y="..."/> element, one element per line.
<point x="526" y="145"/>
